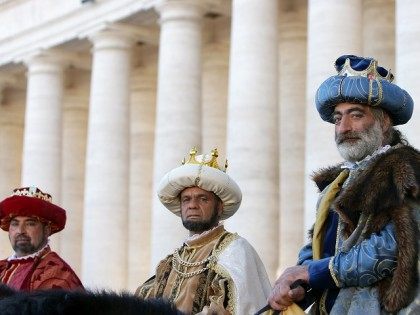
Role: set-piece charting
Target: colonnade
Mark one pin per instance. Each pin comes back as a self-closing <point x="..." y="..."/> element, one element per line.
<point x="100" y="139"/>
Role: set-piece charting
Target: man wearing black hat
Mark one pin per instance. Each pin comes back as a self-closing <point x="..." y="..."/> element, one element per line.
<point x="30" y="218"/>
<point x="363" y="257"/>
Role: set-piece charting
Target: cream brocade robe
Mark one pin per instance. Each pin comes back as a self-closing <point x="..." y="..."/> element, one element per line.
<point x="236" y="280"/>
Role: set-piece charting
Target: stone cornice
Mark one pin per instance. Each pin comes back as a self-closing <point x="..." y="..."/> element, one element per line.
<point x="66" y="28"/>
<point x="139" y="33"/>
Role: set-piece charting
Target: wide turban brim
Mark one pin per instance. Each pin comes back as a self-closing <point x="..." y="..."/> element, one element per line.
<point x="204" y="177"/>
<point x="31" y="207"/>
<point x="362" y="90"/>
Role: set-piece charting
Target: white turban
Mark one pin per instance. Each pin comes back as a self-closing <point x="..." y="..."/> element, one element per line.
<point x="199" y="174"/>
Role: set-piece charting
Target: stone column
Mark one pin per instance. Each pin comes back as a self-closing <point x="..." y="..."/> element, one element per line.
<point x="75" y="116"/>
<point x="43" y="125"/>
<point x="215" y="84"/>
<point x="252" y="146"/>
<point x="292" y="81"/>
<point x="326" y="42"/>
<point x="12" y="112"/>
<point x="142" y="122"/>
<point x="408" y="61"/>
<point x="178" y="112"/>
<point x="41" y="163"/>
<point x="105" y="230"/>
<point x="379" y="31"/>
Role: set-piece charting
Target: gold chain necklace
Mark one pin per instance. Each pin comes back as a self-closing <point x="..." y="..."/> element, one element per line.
<point x="182" y="262"/>
<point x="177" y="260"/>
<point x="189" y="274"/>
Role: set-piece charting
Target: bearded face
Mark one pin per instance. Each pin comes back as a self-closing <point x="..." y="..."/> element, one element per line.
<point x="356" y="145"/>
<point x="203" y="225"/>
<point x="27" y="235"/>
<point x="200" y="209"/>
<point x="357" y="132"/>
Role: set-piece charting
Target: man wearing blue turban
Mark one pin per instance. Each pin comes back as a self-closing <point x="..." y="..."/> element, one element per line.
<point x="363" y="256"/>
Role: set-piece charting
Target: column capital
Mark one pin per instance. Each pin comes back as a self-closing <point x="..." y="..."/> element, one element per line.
<point x="45" y="61"/>
<point x="172" y="10"/>
<point x="119" y="35"/>
<point x="56" y="56"/>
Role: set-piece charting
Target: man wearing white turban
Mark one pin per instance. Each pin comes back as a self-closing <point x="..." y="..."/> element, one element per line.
<point x="214" y="271"/>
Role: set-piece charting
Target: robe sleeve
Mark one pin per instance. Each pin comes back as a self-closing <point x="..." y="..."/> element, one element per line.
<point x="373" y="259"/>
<point x="248" y="283"/>
<point x="364" y="264"/>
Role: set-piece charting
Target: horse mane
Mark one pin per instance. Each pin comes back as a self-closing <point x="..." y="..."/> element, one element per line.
<point x="66" y="302"/>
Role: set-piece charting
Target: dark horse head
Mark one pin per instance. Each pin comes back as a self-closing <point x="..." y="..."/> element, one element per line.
<point x="63" y="302"/>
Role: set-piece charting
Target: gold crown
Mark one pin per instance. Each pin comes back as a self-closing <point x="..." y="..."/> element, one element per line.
<point x="205" y="159"/>
<point x="371" y="72"/>
<point x="32" y="192"/>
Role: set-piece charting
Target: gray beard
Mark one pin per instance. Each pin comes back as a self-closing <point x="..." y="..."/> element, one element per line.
<point x="369" y="141"/>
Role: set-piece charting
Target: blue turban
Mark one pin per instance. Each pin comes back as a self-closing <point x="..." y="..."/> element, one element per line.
<point x="361" y="81"/>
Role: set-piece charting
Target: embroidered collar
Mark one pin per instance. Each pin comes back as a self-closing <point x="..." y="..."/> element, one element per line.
<point x="31" y="256"/>
<point x="355" y="165"/>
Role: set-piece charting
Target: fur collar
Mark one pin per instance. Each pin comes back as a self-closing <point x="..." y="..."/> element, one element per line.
<point x="387" y="190"/>
<point x="385" y="184"/>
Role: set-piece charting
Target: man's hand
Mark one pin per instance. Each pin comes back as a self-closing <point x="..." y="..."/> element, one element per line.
<point x="282" y="295"/>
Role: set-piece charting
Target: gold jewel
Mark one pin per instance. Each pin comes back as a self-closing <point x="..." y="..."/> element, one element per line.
<point x="370" y="72"/>
<point x="189" y="264"/>
<point x="177" y="260"/>
<point x="204" y="159"/>
<point x="189" y="274"/>
<point x="32" y="192"/>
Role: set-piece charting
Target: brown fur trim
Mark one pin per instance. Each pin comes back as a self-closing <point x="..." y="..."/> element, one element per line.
<point x="325" y="176"/>
<point x="383" y="191"/>
<point x="382" y="186"/>
<point x="397" y="292"/>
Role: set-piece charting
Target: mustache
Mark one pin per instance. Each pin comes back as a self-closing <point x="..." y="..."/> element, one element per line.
<point x="340" y="138"/>
<point x="22" y="238"/>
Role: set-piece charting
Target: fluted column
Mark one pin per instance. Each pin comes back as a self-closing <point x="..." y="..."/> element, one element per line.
<point x="142" y="121"/>
<point x="292" y="81"/>
<point x="408" y="61"/>
<point x="105" y="230"/>
<point x="252" y="147"/>
<point x="215" y="84"/>
<point x="178" y="121"/>
<point x="326" y="41"/>
<point x="12" y="111"/>
<point x="41" y="162"/>
<point x="379" y="31"/>
<point x="75" y="116"/>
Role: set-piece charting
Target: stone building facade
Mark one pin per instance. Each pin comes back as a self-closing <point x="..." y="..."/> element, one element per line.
<point x="100" y="98"/>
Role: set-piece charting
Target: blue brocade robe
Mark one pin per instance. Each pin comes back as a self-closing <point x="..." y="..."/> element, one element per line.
<point x="358" y="263"/>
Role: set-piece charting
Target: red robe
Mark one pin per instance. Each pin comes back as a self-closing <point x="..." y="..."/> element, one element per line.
<point x="44" y="271"/>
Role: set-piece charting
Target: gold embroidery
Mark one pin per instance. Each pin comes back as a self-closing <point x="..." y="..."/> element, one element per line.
<point x="231" y="294"/>
<point x="330" y="267"/>
<point x="322" y="301"/>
